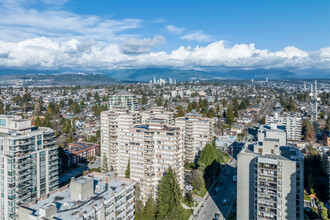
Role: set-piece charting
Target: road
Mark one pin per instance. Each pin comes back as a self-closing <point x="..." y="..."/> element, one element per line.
<point x="96" y="164"/>
<point x="213" y="204"/>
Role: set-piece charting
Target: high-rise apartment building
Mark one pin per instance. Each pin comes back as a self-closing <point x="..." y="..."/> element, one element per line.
<point x="124" y="98"/>
<point x="115" y="131"/>
<point x="28" y="161"/>
<point x="270" y="182"/>
<point x="292" y="124"/>
<point x="158" y="113"/>
<point x="154" y="147"/>
<point x="197" y="132"/>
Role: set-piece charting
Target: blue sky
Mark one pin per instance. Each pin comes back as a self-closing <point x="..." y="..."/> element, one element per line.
<point x="269" y="24"/>
<point x="209" y="34"/>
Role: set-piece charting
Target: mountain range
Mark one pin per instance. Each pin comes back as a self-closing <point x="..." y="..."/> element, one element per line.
<point x="58" y="77"/>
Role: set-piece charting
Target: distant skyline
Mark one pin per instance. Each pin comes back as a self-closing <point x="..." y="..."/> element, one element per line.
<point x="98" y="35"/>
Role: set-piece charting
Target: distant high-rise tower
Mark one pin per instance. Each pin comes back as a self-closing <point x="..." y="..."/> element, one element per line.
<point x="154" y="79"/>
<point x="252" y="80"/>
<point x="266" y="79"/>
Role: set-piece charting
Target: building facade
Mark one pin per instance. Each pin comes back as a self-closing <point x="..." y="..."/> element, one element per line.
<point x="158" y="113"/>
<point x="270" y="182"/>
<point x="124" y="98"/>
<point x="197" y="132"/>
<point x="292" y="124"/>
<point x="81" y="151"/>
<point x="29" y="163"/>
<point x="96" y="196"/>
<point x="115" y="130"/>
<point x="154" y="147"/>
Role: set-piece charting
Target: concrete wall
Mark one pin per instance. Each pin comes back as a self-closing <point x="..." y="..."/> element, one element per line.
<point x="245" y="185"/>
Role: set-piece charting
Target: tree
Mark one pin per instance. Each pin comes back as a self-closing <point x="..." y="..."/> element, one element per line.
<point x="207" y="155"/>
<point x="180" y="111"/>
<point x="139" y="210"/>
<point x="2" y="108"/>
<point x="70" y="137"/>
<point x="310" y="133"/>
<point x="166" y="103"/>
<point x="169" y="197"/>
<point x="263" y="120"/>
<point x="37" y="122"/>
<point x="150" y="209"/>
<point x="105" y="167"/>
<point x="128" y="170"/>
<point x="196" y="179"/>
<point x="37" y="109"/>
<point x="229" y="115"/>
<point x="211" y="113"/>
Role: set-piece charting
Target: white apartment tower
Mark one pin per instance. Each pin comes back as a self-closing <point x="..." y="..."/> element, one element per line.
<point x="154" y="147"/>
<point x="292" y="124"/>
<point x="197" y="132"/>
<point x="270" y="182"/>
<point x="28" y="161"/>
<point x="115" y="131"/>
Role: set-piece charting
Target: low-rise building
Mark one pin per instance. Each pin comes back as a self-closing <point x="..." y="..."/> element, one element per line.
<point x="81" y="151"/>
<point x="326" y="138"/>
<point x="95" y="196"/>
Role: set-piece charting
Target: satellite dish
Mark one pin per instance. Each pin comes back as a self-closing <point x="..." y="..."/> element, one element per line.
<point x="318" y="99"/>
<point x="311" y="94"/>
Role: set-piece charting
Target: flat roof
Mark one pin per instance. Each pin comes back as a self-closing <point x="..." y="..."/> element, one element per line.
<point x="68" y="208"/>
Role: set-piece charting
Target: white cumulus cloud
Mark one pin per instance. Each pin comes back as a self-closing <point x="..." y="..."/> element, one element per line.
<point x="139" y="46"/>
<point x="45" y="53"/>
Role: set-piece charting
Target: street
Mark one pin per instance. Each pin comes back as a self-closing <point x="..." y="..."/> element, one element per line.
<point x="213" y="204"/>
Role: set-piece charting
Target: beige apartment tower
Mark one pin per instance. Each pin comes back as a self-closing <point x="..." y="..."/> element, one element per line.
<point x="158" y="113"/>
<point x="28" y="161"/>
<point x="115" y="137"/>
<point x="154" y="147"/>
<point x="196" y="133"/>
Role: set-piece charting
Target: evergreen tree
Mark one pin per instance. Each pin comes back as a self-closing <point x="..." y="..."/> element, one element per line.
<point x="166" y="103"/>
<point x="180" y="111"/>
<point x="150" y="209"/>
<point x="169" y="197"/>
<point x="128" y="170"/>
<point x="105" y="167"/>
<point x="37" y="122"/>
<point x="2" y="108"/>
<point x="70" y="137"/>
<point x="229" y="115"/>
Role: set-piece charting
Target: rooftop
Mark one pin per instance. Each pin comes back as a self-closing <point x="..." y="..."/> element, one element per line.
<point x="124" y="92"/>
<point x="68" y="208"/>
<point x="81" y="146"/>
